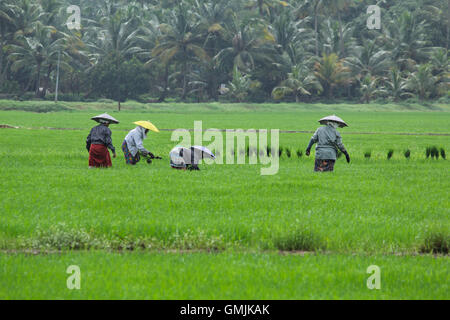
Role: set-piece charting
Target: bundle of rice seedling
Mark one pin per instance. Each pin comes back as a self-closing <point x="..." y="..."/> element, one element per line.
<point x="390" y="153"/>
<point x="428" y="152"/>
<point x="434" y="152"/>
<point x="407" y="153"/>
<point x="299" y="153"/>
<point x="443" y="153"/>
<point x="367" y="154"/>
<point x="280" y="151"/>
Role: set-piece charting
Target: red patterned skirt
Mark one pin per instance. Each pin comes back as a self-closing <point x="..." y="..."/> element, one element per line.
<point x="324" y="165"/>
<point x="99" y="156"/>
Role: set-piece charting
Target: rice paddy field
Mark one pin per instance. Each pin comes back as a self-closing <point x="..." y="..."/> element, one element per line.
<point x="225" y="232"/>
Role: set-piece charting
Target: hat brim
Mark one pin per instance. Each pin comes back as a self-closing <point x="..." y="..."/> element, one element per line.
<point x="341" y="124"/>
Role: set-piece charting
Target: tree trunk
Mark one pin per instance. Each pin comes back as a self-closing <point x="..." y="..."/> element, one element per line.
<point x="316" y="29"/>
<point x="341" y="35"/>
<point x="448" y="23"/>
<point x="38" y="80"/>
<point x="47" y="81"/>
<point x="163" y="95"/>
<point x="183" y="97"/>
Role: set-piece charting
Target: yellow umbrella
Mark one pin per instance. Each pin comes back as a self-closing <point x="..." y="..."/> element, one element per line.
<point x="147" y="125"/>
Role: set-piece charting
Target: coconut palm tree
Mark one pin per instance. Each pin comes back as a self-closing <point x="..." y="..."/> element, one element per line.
<point x="332" y="38"/>
<point x="181" y="42"/>
<point x="422" y="82"/>
<point x="369" y="88"/>
<point x="265" y="6"/>
<point x="331" y="72"/>
<point x="405" y="38"/>
<point x="239" y="86"/>
<point x="36" y="53"/>
<point x="336" y="7"/>
<point x="311" y="8"/>
<point x="368" y="59"/>
<point x="6" y="22"/>
<point x="395" y="86"/>
<point x="251" y="43"/>
<point x="300" y="82"/>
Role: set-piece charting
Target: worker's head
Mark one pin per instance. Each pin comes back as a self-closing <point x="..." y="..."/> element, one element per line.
<point x="333" y="124"/>
<point x="104" y="122"/>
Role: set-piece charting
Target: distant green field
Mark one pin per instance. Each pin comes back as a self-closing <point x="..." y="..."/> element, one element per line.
<point x="367" y="211"/>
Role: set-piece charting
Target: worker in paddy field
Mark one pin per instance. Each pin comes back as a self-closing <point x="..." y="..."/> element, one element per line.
<point x="133" y="145"/>
<point x="183" y="158"/>
<point x="328" y="141"/>
<point x="99" y="141"/>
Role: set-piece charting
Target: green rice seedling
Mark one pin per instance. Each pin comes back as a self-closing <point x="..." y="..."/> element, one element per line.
<point x="299" y="153"/>
<point x="434" y="152"/>
<point x="407" y="153"/>
<point x="268" y="150"/>
<point x="280" y="151"/>
<point x="443" y="153"/>
<point x="288" y="152"/>
<point x="437" y="242"/>
<point x="390" y="154"/>
<point x="339" y="154"/>
<point x="298" y="240"/>
<point x="367" y="154"/>
<point x="428" y="152"/>
<point x="247" y="151"/>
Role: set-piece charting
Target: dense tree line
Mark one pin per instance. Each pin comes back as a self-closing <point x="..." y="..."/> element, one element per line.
<point x="236" y="50"/>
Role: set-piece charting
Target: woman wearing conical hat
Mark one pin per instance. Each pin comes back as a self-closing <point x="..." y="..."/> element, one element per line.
<point x="133" y="145"/>
<point x="99" y="141"/>
<point x="328" y="141"/>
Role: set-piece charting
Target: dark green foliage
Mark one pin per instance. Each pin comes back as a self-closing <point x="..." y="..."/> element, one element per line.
<point x="407" y="154"/>
<point x="40" y="107"/>
<point x="192" y="47"/>
<point x="443" y="153"/>
<point x="298" y="240"/>
<point x="116" y="79"/>
<point x="299" y="153"/>
<point x="367" y="154"/>
<point x="428" y="152"/>
<point x="280" y="151"/>
<point x="436" y="242"/>
<point x="390" y="153"/>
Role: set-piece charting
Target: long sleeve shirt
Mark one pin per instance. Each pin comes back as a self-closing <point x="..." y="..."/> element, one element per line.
<point x="328" y="141"/>
<point x="134" y="140"/>
<point x="100" y="134"/>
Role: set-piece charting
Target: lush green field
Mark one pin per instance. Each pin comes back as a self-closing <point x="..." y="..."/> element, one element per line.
<point x="228" y="275"/>
<point x="364" y="212"/>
